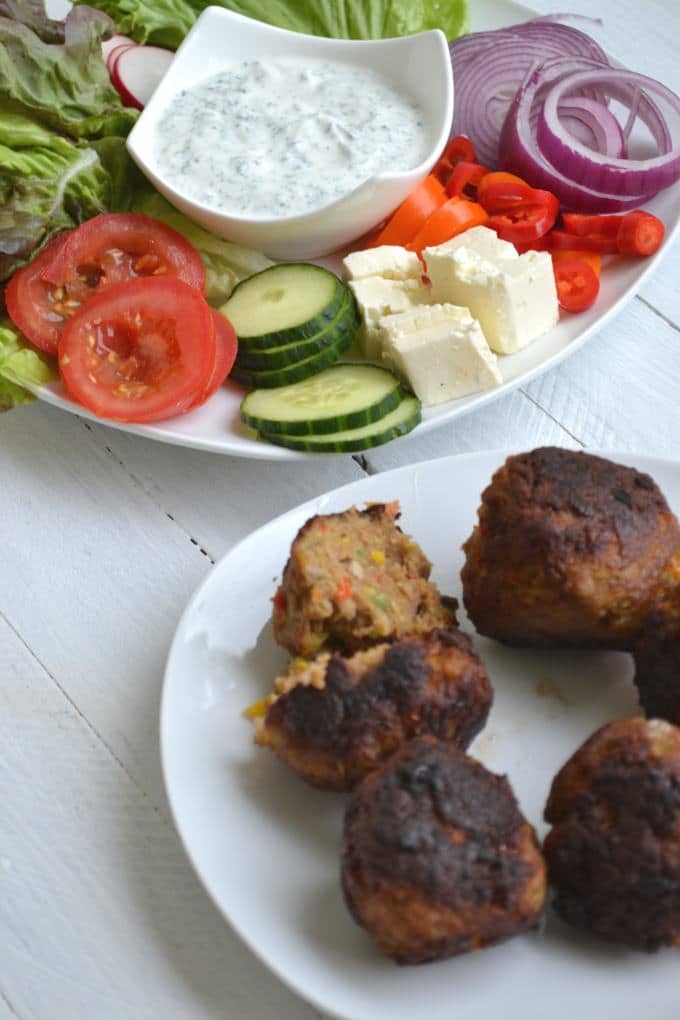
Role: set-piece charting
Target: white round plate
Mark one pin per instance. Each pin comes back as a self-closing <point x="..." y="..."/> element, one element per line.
<point x="266" y="846"/>
<point x="217" y="427"/>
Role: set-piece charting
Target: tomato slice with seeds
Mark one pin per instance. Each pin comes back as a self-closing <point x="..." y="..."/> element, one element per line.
<point x="226" y="344"/>
<point x="30" y="302"/>
<point x="139" y="351"/>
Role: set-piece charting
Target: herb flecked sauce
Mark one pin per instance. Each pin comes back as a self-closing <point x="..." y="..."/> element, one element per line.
<point x="286" y="136"/>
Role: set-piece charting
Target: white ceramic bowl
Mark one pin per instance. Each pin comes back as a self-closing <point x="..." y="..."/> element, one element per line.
<point x="418" y="64"/>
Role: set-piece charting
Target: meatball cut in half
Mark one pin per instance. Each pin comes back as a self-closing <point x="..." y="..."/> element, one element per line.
<point x="567" y="553"/>
<point x="336" y="719"/>
<point x="437" y="859"/>
<point x="657" y="654"/>
<point x="354" y="579"/>
<point x="614" y="850"/>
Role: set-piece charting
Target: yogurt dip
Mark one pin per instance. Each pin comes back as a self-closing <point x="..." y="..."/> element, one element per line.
<point x="285" y="136"/>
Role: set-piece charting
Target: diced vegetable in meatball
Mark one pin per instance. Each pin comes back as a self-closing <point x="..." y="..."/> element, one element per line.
<point x="614" y="850"/>
<point x="568" y="552"/>
<point x="335" y="719"/>
<point x="354" y="579"/>
<point x="437" y="858"/>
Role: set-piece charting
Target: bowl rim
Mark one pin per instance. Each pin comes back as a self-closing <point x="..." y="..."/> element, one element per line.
<point x="147" y="122"/>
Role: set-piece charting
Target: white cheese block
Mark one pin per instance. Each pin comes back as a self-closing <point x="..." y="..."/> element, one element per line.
<point x="377" y="297"/>
<point x="389" y="261"/>
<point x="514" y="299"/>
<point x="439" y="351"/>
<point x="483" y="241"/>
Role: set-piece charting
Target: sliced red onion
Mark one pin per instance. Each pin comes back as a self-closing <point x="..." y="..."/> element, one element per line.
<point x="603" y="172"/>
<point x="521" y="154"/>
<point x="489" y="67"/>
<point x="592" y="124"/>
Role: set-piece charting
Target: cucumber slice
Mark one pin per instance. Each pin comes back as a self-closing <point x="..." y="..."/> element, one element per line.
<point x="343" y="397"/>
<point x="347" y="320"/>
<point x="268" y="378"/>
<point x="397" y="423"/>
<point x="284" y="303"/>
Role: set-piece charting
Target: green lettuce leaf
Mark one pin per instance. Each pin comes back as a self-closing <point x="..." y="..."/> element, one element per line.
<point x="47" y="184"/>
<point x="166" y="22"/>
<point x="159" y="22"/>
<point x="226" y="263"/>
<point x="19" y="365"/>
<point x="66" y="87"/>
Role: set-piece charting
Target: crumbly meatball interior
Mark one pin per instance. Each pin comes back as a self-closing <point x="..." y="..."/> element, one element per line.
<point x="657" y="653"/>
<point x="614" y="850"/>
<point x="437" y="858"/>
<point x="335" y="719"/>
<point x="568" y="551"/>
<point x="354" y="579"/>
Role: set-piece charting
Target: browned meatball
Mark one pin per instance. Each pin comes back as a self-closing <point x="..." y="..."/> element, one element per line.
<point x="568" y="551"/>
<point x="354" y="579"/>
<point x="335" y="719"/>
<point x="657" y="653"/>
<point x="614" y="852"/>
<point x="437" y="858"/>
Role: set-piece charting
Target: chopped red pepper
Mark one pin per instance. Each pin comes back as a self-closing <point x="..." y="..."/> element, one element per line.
<point x="450" y="219"/>
<point x="577" y="285"/>
<point x="640" y="233"/>
<point x="464" y="180"/>
<point x="343" y="591"/>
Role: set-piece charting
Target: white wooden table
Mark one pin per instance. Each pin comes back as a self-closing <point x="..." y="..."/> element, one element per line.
<point x="104" y="536"/>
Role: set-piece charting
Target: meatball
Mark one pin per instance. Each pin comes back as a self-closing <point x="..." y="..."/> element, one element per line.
<point x="437" y="859"/>
<point x="568" y="552"/>
<point x="657" y="654"/>
<point x="354" y="579"/>
<point x="335" y="719"/>
<point x="614" y="851"/>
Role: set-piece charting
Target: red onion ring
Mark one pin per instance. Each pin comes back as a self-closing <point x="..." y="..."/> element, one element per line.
<point x="606" y="173"/>
<point x="592" y="124"/>
<point x="521" y="154"/>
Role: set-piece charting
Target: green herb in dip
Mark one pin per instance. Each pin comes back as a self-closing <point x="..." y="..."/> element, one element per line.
<point x="286" y="136"/>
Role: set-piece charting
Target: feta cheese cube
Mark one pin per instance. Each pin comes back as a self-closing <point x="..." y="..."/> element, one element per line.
<point x="514" y="299"/>
<point x="481" y="240"/>
<point x="389" y="261"/>
<point x="439" y="351"/>
<point x="377" y="297"/>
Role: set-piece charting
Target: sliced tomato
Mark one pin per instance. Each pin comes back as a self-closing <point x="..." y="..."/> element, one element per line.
<point x="115" y="247"/>
<point x="639" y="233"/>
<point x="139" y="351"/>
<point x="577" y="285"/>
<point x="408" y="218"/>
<point x="226" y="344"/>
<point x="35" y="307"/>
<point x="450" y="219"/>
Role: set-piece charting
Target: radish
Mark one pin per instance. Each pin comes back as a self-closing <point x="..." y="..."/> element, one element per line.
<point x="113" y="42"/>
<point x="136" y="72"/>
<point x="115" y="53"/>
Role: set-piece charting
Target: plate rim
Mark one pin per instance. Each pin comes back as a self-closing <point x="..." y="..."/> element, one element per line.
<point x="648" y="463"/>
<point x="260" y="450"/>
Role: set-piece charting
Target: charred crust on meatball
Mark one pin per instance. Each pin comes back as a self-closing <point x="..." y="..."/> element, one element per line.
<point x="614" y="851"/>
<point x="657" y="656"/>
<point x="437" y="857"/>
<point x="568" y="551"/>
<point x="333" y="731"/>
